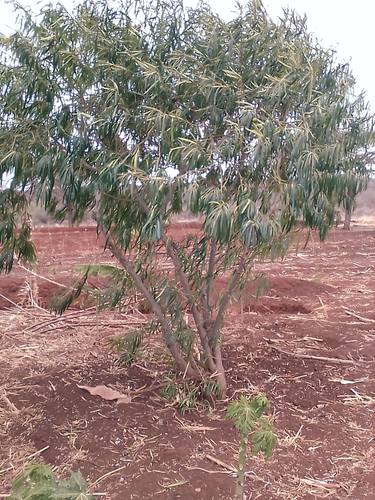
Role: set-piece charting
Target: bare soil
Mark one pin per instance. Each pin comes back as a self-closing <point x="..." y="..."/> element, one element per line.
<point x="308" y="343"/>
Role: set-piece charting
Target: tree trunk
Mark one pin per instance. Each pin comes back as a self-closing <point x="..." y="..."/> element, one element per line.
<point x="348" y="219"/>
<point x="183" y="364"/>
<point x="209" y="363"/>
<point x="221" y="384"/>
<point x="220" y="373"/>
<point x="70" y="216"/>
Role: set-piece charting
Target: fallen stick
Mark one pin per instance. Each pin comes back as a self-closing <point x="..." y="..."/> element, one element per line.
<point x="27" y="458"/>
<point x="11" y="302"/>
<point x="108" y="323"/>
<point x="11" y="406"/>
<point x="317" y="358"/>
<point x="221" y="463"/>
<point x="320" y="484"/>
<point x="104" y="476"/>
<point x="361" y="318"/>
<point x="63" y="317"/>
<point x="145" y="389"/>
<point x="41" y="277"/>
<point x="59" y="327"/>
<point x="210" y="471"/>
<point x="75" y="324"/>
<point x="2" y="471"/>
<point x="37" y="452"/>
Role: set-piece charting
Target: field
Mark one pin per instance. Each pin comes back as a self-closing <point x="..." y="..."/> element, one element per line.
<point x="308" y="343"/>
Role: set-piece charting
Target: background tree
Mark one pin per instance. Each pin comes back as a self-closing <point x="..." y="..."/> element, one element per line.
<point x="140" y="111"/>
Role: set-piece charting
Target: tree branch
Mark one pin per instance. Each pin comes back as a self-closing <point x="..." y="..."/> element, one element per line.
<point x="168" y="334"/>
<point x="236" y="276"/>
<point x="172" y="253"/>
<point x="209" y="279"/>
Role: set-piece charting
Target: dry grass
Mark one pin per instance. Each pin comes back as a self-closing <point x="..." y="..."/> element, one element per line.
<point x="37" y="342"/>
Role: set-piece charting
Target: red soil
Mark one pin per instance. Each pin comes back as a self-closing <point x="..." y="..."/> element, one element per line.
<point x="325" y="424"/>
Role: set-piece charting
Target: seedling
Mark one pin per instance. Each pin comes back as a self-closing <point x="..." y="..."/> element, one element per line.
<point x="254" y="428"/>
<point x="37" y="482"/>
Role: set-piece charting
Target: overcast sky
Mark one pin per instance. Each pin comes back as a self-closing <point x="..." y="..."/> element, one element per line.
<point x="346" y="25"/>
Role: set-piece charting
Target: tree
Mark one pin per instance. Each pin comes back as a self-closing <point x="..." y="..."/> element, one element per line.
<point x="142" y="110"/>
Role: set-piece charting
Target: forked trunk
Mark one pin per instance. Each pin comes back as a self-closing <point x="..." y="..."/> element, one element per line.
<point x="209" y="364"/>
<point x="211" y="370"/>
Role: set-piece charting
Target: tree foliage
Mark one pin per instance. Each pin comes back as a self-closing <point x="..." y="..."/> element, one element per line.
<point x="138" y="111"/>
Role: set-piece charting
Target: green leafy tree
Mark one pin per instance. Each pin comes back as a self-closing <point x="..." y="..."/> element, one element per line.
<point x="143" y="110"/>
<point x="247" y="417"/>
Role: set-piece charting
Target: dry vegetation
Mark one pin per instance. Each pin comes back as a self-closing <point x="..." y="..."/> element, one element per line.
<point x="308" y="343"/>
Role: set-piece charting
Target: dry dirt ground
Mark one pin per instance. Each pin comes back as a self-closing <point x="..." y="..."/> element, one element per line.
<point x="308" y="344"/>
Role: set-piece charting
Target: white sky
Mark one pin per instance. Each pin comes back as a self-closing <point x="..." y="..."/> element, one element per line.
<point x="346" y="25"/>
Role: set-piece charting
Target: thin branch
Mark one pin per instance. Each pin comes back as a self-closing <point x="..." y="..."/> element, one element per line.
<point x="317" y="358"/>
<point x="172" y="253"/>
<point x="361" y="318"/>
<point x="209" y="278"/>
<point x="233" y="282"/>
<point x="140" y="285"/>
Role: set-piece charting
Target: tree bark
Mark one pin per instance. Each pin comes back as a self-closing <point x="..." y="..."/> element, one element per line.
<point x="209" y="280"/>
<point x="227" y="295"/>
<point x="212" y="352"/>
<point x="172" y="345"/>
<point x="70" y="216"/>
<point x="220" y="372"/>
<point x="348" y="219"/>
<point x="171" y="251"/>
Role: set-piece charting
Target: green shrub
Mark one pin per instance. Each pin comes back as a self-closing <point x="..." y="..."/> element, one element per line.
<point x="37" y="482"/>
<point x="247" y="417"/>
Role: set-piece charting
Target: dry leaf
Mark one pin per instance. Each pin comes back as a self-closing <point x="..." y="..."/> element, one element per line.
<point x="106" y="393"/>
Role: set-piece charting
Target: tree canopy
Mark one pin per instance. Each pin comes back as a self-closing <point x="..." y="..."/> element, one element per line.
<point x="138" y="112"/>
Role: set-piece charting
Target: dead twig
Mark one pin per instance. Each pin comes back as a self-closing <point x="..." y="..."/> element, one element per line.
<point x="37" y="452"/>
<point x="11" y="302"/>
<point x="3" y="471"/>
<point x="41" y="277"/>
<point x="49" y="322"/>
<point x="104" y="476"/>
<point x="9" y="403"/>
<point x="361" y="318"/>
<point x="210" y="471"/>
<point x="317" y="358"/>
<point x="221" y="463"/>
<point x="320" y="484"/>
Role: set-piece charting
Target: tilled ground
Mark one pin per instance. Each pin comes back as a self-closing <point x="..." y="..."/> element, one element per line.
<point x="308" y="343"/>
